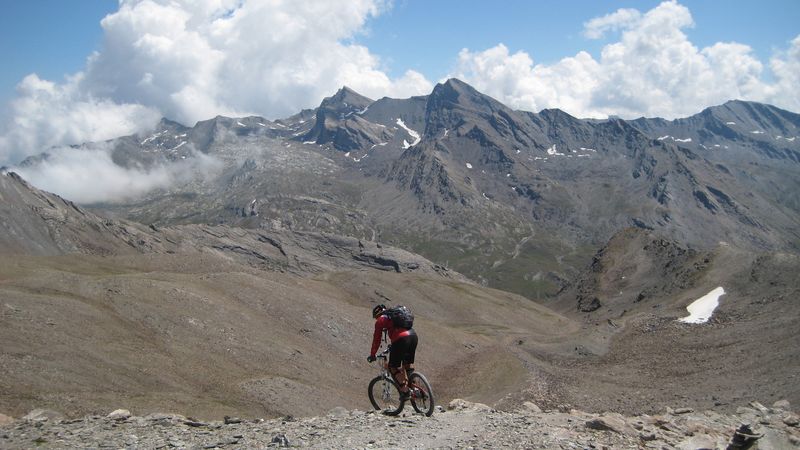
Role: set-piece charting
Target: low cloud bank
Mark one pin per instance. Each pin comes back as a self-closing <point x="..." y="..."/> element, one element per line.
<point x="91" y="176"/>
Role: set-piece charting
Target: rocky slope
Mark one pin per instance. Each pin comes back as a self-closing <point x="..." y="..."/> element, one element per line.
<point x="211" y="320"/>
<point x="214" y="319"/>
<point x="463" y="425"/>
<point x="41" y="223"/>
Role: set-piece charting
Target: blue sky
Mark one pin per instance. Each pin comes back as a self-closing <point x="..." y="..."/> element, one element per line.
<point x="425" y="35"/>
<point x="53" y="38"/>
<point x="190" y="60"/>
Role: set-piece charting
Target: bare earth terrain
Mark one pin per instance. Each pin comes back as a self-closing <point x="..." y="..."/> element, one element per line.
<point x="213" y="321"/>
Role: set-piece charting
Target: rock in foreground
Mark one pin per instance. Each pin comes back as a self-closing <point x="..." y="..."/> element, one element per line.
<point x="465" y="425"/>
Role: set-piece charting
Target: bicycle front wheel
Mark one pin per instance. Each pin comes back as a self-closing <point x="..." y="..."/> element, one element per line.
<point x="422" y="394"/>
<point x="385" y="396"/>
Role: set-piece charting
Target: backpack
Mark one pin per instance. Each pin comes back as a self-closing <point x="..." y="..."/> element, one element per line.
<point x="401" y="316"/>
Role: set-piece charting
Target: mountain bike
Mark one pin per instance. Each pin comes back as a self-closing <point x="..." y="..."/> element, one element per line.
<point x="384" y="393"/>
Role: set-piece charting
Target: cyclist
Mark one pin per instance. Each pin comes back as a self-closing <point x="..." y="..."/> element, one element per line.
<point x="404" y="347"/>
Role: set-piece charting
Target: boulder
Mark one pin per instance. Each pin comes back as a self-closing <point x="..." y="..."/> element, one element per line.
<point x="782" y="404"/>
<point x="280" y="440"/>
<point x="699" y="441"/>
<point x="43" y="415"/>
<point x="119" y="414"/>
<point x="791" y="420"/>
<point x="611" y="422"/>
<point x="339" y="411"/>
<point x="459" y="404"/>
<point x="532" y="407"/>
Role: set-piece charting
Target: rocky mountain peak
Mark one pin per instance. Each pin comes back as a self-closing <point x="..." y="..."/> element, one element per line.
<point x="345" y="99"/>
<point x="455" y="94"/>
<point x="166" y="123"/>
<point x="338" y="122"/>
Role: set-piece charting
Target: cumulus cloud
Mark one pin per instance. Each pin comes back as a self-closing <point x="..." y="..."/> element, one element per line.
<point x="192" y="60"/>
<point x="597" y="27"/>
<point x="652" y="69"/>
<point x="786" y="67"/>
<point x="47" y="114"/>
<point x="89" y="175"/>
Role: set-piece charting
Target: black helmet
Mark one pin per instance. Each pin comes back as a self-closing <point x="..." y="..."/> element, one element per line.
<point x="377" y="310"/>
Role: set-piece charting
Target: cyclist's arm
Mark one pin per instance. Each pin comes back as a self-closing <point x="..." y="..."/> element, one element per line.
<point x="380" y="325"/>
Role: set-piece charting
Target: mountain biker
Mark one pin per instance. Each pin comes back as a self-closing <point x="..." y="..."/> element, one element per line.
<point x="403" y="349"/>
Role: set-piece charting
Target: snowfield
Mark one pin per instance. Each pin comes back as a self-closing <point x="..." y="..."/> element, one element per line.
<point x="701" y="309"/>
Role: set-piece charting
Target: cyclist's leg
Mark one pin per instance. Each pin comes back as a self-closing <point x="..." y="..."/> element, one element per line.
<point x="411" y="350"/>
<point x="396" y="357"/>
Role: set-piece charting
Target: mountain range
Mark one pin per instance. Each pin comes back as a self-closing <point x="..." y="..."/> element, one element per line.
<point x="513" y="199"/>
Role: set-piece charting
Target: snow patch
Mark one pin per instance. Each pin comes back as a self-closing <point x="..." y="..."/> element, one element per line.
<point x="406" y="144"/>
<point x="310" y="142"/>
<point x="730" y="123"/>
<point x="240" y="124"/>
<point x="153" y="137"/>
<point x="791" y="139"/>
<point x="587" y="149"/>
<point x="178" y="146"/>
<point x="701" y="309"/>
<point x="262" y="124"/>
<point x="445" y="132"/>
<point x="757" y="132"/>
<point x="469" y="166"/>
<point x="552" y="151"/>
<point x="410" y="132"/>
<point x="674" y="139"/>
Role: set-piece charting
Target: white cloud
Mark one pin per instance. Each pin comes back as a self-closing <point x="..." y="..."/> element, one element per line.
<point x="651" y="70"/>
<point x="90" y="175"/>
<point x="786" y="67"/>
<point x="47" y="114"/>
<point x="192" y="60"/>
<point x="597" y="27"/>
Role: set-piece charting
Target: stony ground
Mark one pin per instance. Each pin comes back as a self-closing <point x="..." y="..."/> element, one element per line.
<point x="461" y="425"/>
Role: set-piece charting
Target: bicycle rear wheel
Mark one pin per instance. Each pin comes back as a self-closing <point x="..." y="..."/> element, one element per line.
<point x="385" y="396"/>
<point x="422" y="394"/>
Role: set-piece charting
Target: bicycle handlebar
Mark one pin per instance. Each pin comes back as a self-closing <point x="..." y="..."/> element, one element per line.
<point x="383" y="354"/>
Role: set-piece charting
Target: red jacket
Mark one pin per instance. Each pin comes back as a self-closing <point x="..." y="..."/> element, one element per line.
<point x="385" y="323"/>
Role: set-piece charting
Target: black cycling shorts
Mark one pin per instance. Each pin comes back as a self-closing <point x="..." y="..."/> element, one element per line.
<point x="403" y="350"/>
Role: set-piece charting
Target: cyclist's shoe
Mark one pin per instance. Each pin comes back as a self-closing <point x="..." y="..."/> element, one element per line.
<point x="405" y="396"/>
